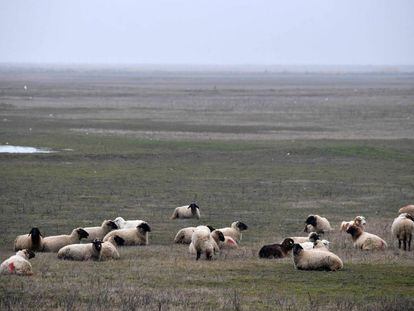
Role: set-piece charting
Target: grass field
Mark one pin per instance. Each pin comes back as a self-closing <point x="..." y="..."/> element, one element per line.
<point x="267" y="149"/>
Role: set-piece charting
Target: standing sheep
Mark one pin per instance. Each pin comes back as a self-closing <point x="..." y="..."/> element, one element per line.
<point x="187" y="211"/>
<point x="98" y="233"/>
<point x="32" y="241"/>
<point x="277" y="250"/>
<point x="184" y="235"/>
<point x="55" y="243"/>
<point x="358" y="221"/>
<point x="364" y="240"/>
<point x="81" y="252"/>
<point x="18" y="264"/>
<point x="318" y="224"/>
<point x="127" y="224"/>
<point x="315" y="259"/>
<point x="202" y="242"/>
<point x="409" y="209"/>
<point x="132" y="236"/>
<point x="402" y="229"/>
<point x="235" y="231"/>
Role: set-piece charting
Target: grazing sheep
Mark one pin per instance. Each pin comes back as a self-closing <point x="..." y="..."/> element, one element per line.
<point x="191" y="247"/>
<point x="184" y="235"/>
<point x="55" y="243"/>
<point x="277" y="250"/>
<point x="321" y="245"/>
<point x="409" y="209"/>
<point x="32" y="241"/>
<point x="108" y="252"/>
<point x="187" y="211"/>
<point x="358" y="220"/>
<point x="402" y="229"/>
<point x="202" y="242"/>
<point x="312" y="237"/>
<point x="235" y="231"/>
<point x="127" y="224"/>
<point x="81" y="252"/>
<point x="18" y="264"/>
<point x="315" y="259"/>
<point x="318" y="224"/>
<point x="132" y="236"/>
<point x="364" y="240"/>
<point x="98" y="233"/>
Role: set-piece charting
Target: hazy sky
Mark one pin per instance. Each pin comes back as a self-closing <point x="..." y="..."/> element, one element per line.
<point x="288" y="32"/>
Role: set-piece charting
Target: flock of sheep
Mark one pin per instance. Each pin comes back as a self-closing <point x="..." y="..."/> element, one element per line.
<point x="101" y="243"/>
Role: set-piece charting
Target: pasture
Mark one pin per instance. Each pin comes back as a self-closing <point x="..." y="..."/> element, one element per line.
<point x="264" y="148"/>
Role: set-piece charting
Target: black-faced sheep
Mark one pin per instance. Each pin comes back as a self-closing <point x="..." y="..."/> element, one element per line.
<point x="318" y="224"/>
<point x="402" y="229"/>
<point x="98" y="233"/>
<point x="81" y="252"/>
<point x="277" y="250"/>
<point x="18" y="264"/>
<point x="315" y="259"/>
<point x="364" y="240"/>
<point x="55" y="243"/>
<point x="187" y="211"/>
<point x="203" y="242"/>
<point x="409" y="209"/>
<point x="133" y="236"/>
<point x="235" y="230"/>
<point x="312" y="237"/>
<point x="32" y="241"/>
<point x="358" y="221"/>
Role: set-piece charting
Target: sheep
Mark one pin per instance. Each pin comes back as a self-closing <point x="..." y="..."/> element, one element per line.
<point x="235" y="231"/>
<point x="277" y="250"/>
<point x="81" y="252"/>
<point x="55" y="243"/>
<point x="409" y="209"/>
<point x="127" y="224"/>
<point x="358" y="220"/>
<point x="98" y="233"/>
<point x="203" y="241"/>
<point x="187" y="211"/>
<point x="364" y="240"/>
<point x="316" y="223"/>
<point x="132" y="236"/>
<point x="18" y="264"/>
<point x="108" y="252"/>
<point x="32" y="241"/>
<point x="315" y="259"/>
<point x="184" y="235"/>
<point x="321" y="245"/>
<point x="312" y="237"/>
<point x="228" y="242"/>
<point x="216" y="236"/>
<point x="402" y="229"/>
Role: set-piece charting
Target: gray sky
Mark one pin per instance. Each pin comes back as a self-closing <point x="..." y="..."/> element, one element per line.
<point x="234" y="32"/>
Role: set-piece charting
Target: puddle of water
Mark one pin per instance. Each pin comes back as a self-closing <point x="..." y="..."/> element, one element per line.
<point x="22" y="149"/>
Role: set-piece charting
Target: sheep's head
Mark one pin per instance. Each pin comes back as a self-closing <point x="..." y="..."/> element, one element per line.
<point x="407" y="209"/>
<point x="211" y="228"/>
<point x="82" y="234"/>
<point x="311" y="220"/>
<point x="220" y="235"/>
<point x="144" y="228"/>
<point x="313" y="236"/>
<point x="35" y="232"/>
<point x="28" y="253"/>
<point x="297" y="249"/>
<point x="111" y="224"/>
<point x="360" y="221"/>
<point x="97" y="244"/>
<point x="242" y="226"/>
<point x="354" y="231"/>
<point x="118" y="240"/>
<point x="288" y="244"/>
<point x="193" y="208"/>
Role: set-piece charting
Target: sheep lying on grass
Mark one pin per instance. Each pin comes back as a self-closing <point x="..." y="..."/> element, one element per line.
<point x="98" y="233"/>
<point x="312" y="237"/>
<point x="108" y="252"/>
<point x="318" y="224"/>
<point x="402" y="229"/>
<point x="321" y="245"/>
<point x="277" y="250"/>
<point x="184" y="235"/>
<point x="81" y="252"/>
<point x="409" y="209"/>
<point x="203" y="242"/>
<point x="187" y="211"/>
<point x="235" y="231"/>
<point x="133" y="236"/>
<point x="364" y="240"/>
<point x="358" y="221"/>
<point x="127" y="224"/>
<point x="32" y="241"/>
<point x="55" y="243"/>
<point x="18" y="264"/>
<point x="315" y="259"/>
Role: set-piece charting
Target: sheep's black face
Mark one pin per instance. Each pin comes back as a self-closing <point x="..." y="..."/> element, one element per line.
<point x="30" y="254"/>
<point x="314" y="237"/>
<point x="242" y="226"/>
<point x="211" y="228"/>
<point x="193" y="208"/>
<point x="144" y="227"/>
<point x="112" y="225"/>
<point x="220" y="236"/>
<point x="311" y="220"/>
<point x="352" y="230"/>
<point x="97" y="244"/>
<point x="82" y="233"/>
<point x="288" y="243"/>
<point x="119" y="241"/>
<point x="297" y="249"/>
<point x="35" y="232"/>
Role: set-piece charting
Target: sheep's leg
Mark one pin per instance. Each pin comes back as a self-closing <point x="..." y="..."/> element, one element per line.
<point x="405" y="243"/>
<point x="399" y="244"/>
<point x="198" y="255"/>
<point x="409" y="242"/>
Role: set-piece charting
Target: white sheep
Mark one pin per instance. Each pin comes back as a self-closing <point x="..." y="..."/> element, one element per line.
<point x="184" y="235"/>
<point x="18" y="264"/>
<point x="81" y="252"/>
<point x="402" y="229"/>
<point x="364" y="240"/>
<point x="132" y="236"/>
<point x="32" y="241"/>
<point x="318" y="224"/>
<point x="312" y="237"/>
<point x="235" y="231"/>
<point x="55" y="243"/>
<point x="409" y="209"/>
<point x="108" y="252"/>
<point x="203" y="242"/>
<point x="358" y="220"/>
<point x="127" y="224"/>
<point x="315" y="259"/>
<point x="191" y="247"/>
<point x="187" y="211"/>
<point x="98" y="233"/>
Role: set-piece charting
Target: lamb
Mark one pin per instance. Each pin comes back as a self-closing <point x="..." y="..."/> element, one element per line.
<point x="127" y="224"/>
<point x="364" y="240"/>
<point x="81" y="252"/>
<point x="187" y="211"/>
<point x="108" y="252"/>
<point x="402" y="229"/>
<point x="315" y="259"/>
<point x="203" y="242"/>
<point x="235" y="231"/>
<point x="18" y="264"/>
<point x="184" y="235"/>
<point x="32" y="241"/>
<point x="409" y="209"/>
<point x="55" y="243"/>
<point x="98" y="233"/>
<point x="277" y="250"/>
<point x="132" y="236"/>
<point x="318" y="224"/>
<point x="358" y="220"/>
<point x="312" y="237"/>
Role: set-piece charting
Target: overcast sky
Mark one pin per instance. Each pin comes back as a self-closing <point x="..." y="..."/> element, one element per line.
<point x="234" y="32"/>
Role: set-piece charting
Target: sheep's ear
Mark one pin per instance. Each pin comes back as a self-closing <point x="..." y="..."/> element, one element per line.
<point x="118" y="240"/>
<point x="211" y="228"/>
